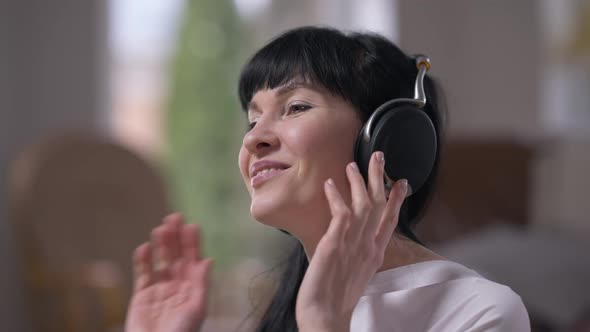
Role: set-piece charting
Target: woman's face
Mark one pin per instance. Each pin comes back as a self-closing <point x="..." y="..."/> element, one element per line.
<point x="301" y="135"/>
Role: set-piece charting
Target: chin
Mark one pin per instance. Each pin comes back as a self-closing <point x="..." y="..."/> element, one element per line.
<point x="279" y="210"/>
<point x="290" y="213"/>
<point x="266" y="211"/>
<point x="272" y="203"/>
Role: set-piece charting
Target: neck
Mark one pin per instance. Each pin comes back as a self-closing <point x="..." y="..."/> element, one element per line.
<point x="399" y="252"/>
<point x="402" y="251"/>
<point x="310" y="242"/>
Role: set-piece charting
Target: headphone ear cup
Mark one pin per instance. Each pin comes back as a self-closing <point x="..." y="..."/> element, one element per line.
<point x="408" y="140"/>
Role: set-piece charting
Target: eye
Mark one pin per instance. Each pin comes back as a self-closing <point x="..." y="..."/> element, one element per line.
<point x="251" y="126"/>
<point x="297" y="108"/>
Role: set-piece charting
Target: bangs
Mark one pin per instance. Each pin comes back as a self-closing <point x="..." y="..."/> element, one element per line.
<point x="315" y="57"/>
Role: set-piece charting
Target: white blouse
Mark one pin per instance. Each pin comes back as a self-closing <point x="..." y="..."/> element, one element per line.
<point x="437" y="296"/>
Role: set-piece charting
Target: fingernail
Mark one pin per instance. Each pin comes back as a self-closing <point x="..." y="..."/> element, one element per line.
<point x="330" y="182"/>
<point x="404" y="185"/>
<point x="353" y="166"/>
<point x="380" y="156"/>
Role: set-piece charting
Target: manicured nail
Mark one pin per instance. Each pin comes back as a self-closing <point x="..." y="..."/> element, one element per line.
<point x="404" y="186"/>
<point x="380" y="156"/>
<point x="353" y="166"/>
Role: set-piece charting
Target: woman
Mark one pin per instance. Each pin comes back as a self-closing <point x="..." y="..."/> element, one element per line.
<point x="307" y="95"/>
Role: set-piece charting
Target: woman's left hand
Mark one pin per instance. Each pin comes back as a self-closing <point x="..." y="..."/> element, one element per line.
<point x="351" y="250"/>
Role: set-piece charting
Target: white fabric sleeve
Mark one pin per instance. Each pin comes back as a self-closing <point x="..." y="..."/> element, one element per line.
<point x="504" y="313"/>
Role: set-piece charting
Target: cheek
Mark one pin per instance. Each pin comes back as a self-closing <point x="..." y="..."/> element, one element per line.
<point x="306" y="143"/>
<point x="323" y="143"/>
<point x="243" y="162"/>
<point x="323" y="149"/>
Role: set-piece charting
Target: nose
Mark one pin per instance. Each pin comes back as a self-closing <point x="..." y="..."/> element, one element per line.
<point x="262" y="138"/>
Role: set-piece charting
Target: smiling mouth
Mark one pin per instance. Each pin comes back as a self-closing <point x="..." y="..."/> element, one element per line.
<point x="265" y="175"/>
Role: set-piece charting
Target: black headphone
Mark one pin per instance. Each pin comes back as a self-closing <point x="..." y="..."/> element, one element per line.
<point x="405" y="134"/>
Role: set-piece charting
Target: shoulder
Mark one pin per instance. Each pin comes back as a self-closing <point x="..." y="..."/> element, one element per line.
<point x="469" y="302"/>
<point x="496" y="308"/>
<point x="475" y="303"/>
<point x="440" y="296"/>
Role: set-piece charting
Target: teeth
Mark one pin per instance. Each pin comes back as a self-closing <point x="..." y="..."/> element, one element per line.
<point x="266" y="170"/>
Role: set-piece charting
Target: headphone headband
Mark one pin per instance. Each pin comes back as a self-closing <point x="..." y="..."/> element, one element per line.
<point x="423" y="64"/>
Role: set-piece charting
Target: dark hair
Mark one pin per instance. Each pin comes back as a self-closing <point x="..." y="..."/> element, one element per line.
<point x="366" y="70"/>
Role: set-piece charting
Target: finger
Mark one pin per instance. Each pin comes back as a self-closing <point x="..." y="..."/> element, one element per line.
<point x="376" y="189"/>
<point x="391" y="213"/>
<point x="200" y="276"/>
<point x="160" y="242"/>
<point x="174" y="222"/>
<point x="191" y="242"/>
<point x="361" y="205"/>
<point x="142" y="267"/>
<point x="199" y="286"/>
<point x="340" y="212"/>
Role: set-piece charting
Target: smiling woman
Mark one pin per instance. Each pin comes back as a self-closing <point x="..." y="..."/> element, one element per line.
<point x="307" y="133"/>
<point x="358" y="265"/>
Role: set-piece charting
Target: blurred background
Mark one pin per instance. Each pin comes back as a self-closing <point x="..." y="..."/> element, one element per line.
<point x="113" y="113"/>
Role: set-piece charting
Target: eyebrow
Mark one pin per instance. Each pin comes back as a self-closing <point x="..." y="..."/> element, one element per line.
<point x="292" y="85"/>
<point x="282" y="90"/>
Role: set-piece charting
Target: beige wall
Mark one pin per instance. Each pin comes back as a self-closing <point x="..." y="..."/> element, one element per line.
<point x="52" y="76"/>
<point x="486" y="54"/>
<point x="491" y="58"/>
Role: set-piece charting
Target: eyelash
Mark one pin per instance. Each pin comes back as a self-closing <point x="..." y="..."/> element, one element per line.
<point x="305" y="106"/>
<point x="290" y="110"/>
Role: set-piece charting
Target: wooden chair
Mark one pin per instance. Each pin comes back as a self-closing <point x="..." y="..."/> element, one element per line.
<point x="80" y="205"/>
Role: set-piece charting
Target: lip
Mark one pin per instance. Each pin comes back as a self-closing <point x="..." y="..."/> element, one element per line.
<point x="257" y="179"/>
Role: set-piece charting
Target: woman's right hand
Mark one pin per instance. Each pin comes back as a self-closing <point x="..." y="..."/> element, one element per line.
<point x="171" y="280"/>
